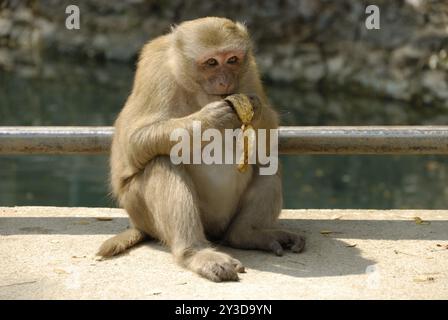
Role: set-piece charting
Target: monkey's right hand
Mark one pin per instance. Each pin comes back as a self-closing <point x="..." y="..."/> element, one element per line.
<point x="219" y="115"/>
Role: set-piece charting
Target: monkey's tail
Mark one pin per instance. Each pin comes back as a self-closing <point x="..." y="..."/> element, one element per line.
<point x="121" y="242"/>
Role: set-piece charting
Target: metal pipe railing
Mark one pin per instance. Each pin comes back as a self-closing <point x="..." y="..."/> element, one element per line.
<point x="292" y="140"/>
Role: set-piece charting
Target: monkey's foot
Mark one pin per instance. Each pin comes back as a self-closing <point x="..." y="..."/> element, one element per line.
<point x="277" y="240"/>
<point x="216" y="266"/>
<point x="272" y="240"/>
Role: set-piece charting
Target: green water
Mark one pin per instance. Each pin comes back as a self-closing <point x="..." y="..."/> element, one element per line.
<point x="73" y="93"/>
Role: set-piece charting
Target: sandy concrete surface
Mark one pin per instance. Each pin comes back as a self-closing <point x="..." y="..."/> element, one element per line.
<point x="49" y="253"/>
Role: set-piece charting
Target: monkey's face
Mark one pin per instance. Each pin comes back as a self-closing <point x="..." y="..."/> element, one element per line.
<point x="219" y="72"/>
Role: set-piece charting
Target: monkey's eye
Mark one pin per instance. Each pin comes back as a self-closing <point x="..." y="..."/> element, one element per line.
<point x="232" y="60"/>
<point x="211" y="62"/>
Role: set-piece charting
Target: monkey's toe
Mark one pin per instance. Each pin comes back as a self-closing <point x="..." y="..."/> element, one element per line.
<point x="238" y="266"/>
<point x="276" y="248"/>
<point x="299" y="244"/>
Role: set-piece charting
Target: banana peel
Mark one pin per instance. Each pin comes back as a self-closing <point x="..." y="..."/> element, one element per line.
<point x="245" y="111"/>
<point x="242" y="106"/>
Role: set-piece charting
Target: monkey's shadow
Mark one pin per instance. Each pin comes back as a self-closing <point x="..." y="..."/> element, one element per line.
<point x="332" y="255"/>
<point x="323" y="255"/>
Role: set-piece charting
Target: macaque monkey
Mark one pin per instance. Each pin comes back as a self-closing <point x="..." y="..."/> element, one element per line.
<point x="182" y="77"/>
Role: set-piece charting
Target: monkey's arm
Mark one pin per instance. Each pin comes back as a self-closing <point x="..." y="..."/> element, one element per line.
<point x="153" y="139"/>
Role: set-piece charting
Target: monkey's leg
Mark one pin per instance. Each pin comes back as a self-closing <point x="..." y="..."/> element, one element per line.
<point x="254" y="225"/>
<point x="141" y="223"/>
<point x="170" y="196"/>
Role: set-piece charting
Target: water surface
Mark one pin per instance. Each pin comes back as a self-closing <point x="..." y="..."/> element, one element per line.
<point x="83" y="94"/>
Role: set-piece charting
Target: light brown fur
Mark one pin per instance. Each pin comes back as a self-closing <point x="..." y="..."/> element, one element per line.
<point x="185" y="205"/>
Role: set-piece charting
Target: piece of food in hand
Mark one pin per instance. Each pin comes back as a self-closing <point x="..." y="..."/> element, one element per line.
<point x="245" y="111"/>
<point x="248" y="135"/>
<point x="243" y="107"/>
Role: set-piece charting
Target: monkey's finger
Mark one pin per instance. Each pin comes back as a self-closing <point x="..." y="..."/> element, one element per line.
<point x="229" y="118"/>
<point x="276" y="247"/>
<point x="254" y="100"/>
<point x="256" y="105"/>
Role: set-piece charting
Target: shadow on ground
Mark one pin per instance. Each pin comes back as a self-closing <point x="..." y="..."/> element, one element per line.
<point x="324" y="255"/>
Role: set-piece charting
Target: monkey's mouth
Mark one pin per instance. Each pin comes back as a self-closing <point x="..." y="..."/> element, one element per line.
<point x="223" y="96"/>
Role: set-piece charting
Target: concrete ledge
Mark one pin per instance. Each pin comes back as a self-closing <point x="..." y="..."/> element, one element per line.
<point x="48" y="253"/>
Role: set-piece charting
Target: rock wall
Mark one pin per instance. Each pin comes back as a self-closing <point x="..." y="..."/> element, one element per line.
<point x="305" y="42"/>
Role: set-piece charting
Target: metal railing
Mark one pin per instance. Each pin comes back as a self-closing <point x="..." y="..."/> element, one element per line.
<point x="292" y="140"/>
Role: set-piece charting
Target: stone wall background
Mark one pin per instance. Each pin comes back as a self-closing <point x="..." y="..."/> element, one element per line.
<point x="308" y="43"/>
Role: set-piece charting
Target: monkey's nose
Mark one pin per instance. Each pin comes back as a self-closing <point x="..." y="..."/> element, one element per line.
<point x="224" y="85"/>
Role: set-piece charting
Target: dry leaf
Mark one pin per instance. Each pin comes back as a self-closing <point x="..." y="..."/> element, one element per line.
<point x="104" y="219"/>
<point x="423" y="279"/>
<point x="18" y="283"/>
<point x="401" y="252"/>
<point x="350" y="245"/>
<point x="419" y="220"/>
<point x="328" y="232"/>
<point x="61" y="271"/>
